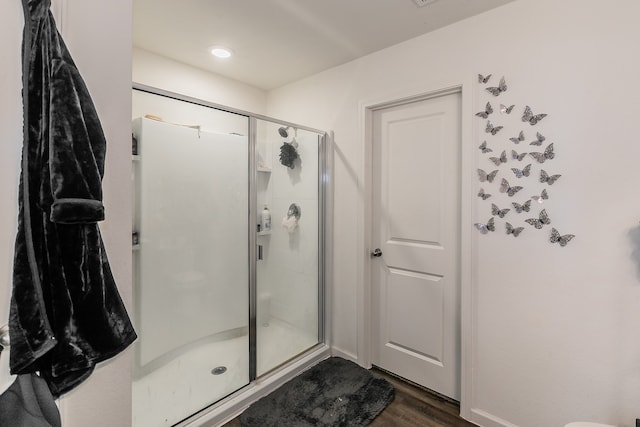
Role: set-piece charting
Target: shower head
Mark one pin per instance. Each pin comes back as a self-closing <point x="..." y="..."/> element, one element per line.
<point x="283" y="132"/>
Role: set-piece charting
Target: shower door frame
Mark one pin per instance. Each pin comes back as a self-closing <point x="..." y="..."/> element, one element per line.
<point x="324" y="229"/>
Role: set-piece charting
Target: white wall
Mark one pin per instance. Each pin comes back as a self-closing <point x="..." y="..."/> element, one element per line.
<point x="157" y="71"/>
<point x="11" y="22"/>
<point x="555" y="329"/>
<point x="89" y="27"/>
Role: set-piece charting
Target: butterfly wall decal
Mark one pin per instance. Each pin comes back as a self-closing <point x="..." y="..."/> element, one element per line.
<point x="516" y="156"/>
<point x="533" y="119"/>
<point x="502" y="87"/>
<point x="557" y="238"/>
<point x="506" y="110"/>
<point x="519" y="173"/>
<point x="506" y="188"/>
<point x="492" y="129"/>
<point x="498" y="160"/>
<point x="543" y="219"/>
<point x="513" y="230"/>
<point x="483" y="79"/>
<point x="497" y="211"/>
<point x="485" y="228"/>
<point x="539" y="139"/>
<point x="542" y="157"/>
<point x="549" y="179"/>
<point x="542" y="197"/>
<point x="525" y="207"/>
<point x="483" y="195"/>
<point x="518" y="139"/>
<point x="483" y="147"/>
<point x="487" y="176"/>
<point x="487" y="110"/>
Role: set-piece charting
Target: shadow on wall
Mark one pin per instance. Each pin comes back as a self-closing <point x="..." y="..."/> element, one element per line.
<point x="634" y="236"/>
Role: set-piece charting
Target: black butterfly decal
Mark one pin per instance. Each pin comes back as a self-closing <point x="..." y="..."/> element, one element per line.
<point x="542" y="219"/>
<point x="487" y="176"/>
<point x="557" y="238"/>
<point x="549" y="179"/>
<point x="506" y="110"/>
<point x="547" y="155"/>
<point x="483" y="195"/>
<point x="522" y="207"/>
<point x="497" y="211"/>
<point x="516" y="156"/>
<point x="506" y="188"/>
<point x="491" y="129"/>
<point x="501" y="159"/>
<point x="485" y="228"/>
<point x="528" y="116"/>
<point x="484" y="149"/>
<point x="511" y="230"/>
<point x="502" y="87"/>
<point x="518" y="139"/>
<point x="542" y="197"/>
<point x="524" y="172"/>
<point x="483" y="79"/>
<point x="487" y="110"/>
<point x="539" y="139"/>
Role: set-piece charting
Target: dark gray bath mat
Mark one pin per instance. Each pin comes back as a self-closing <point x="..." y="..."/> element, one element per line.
<point x="335" y="392"/>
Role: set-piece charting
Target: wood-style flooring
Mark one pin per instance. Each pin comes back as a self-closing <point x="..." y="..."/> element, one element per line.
<point x="416" y="406"/>
<point x="412" y="406"/>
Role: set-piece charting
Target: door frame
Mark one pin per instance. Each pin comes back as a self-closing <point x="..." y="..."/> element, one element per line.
<point x="365" y="210"/>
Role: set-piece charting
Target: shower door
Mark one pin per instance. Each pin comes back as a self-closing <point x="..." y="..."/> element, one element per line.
<point x="288" y="285"/>
<point x="191" y="257"/>
<point x="220" y="297"/>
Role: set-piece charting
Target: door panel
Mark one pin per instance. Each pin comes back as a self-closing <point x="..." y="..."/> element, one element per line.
<point x="416" y="203"/>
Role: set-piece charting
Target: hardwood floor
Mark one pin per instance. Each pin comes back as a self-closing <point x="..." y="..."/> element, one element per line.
<point x="416" y="406"/>
<point x="412" y="406"/>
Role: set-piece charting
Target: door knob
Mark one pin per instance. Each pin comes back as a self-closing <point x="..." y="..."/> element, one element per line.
<point x="376" y="253"/>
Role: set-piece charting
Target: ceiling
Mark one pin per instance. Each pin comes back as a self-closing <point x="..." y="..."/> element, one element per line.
<point x="276" y="42"/>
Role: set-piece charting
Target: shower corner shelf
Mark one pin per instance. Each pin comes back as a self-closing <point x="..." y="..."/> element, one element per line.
<point x="135" y="247"/>
<point x="135" y="157"/>
<point x="264" y="233"/>
<point x="264" y="169"/>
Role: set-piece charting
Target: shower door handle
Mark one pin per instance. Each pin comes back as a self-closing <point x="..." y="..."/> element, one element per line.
<point x="259" y="252"/>
<point x="376" y="253"/>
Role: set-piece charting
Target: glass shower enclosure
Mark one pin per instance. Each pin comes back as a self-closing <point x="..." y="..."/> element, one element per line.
<point x="228" y="251"/>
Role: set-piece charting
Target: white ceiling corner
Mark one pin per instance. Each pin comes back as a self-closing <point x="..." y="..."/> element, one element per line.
<point x="276" y="42"/>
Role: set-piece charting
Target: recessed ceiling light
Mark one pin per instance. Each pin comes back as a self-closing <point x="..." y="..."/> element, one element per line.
<point x="220" y="52"/>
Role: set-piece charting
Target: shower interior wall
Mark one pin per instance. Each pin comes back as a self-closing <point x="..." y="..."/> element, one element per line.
<point x="288" y="274"/>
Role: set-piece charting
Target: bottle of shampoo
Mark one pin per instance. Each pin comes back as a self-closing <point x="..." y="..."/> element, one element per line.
<point x="265" y="219"/>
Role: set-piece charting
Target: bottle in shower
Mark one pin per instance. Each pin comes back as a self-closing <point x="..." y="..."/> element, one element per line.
<point x="265" y="219"/>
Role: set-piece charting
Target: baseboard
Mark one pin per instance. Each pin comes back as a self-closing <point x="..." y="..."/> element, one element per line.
<point x="235" y="404"/>
<point x="337" y="352"/>
<point x="485" y="419"/>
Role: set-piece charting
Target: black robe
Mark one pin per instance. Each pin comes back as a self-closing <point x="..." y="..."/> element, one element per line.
<point x="66" y="313"/>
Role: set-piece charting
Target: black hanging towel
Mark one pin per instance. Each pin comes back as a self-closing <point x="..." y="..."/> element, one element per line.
<point x="66" y="313"/>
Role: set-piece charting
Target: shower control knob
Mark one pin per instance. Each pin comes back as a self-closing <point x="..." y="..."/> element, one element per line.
<point x="376" y="253"/>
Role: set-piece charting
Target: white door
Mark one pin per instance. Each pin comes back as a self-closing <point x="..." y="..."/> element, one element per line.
<point x="416" y="217"/>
